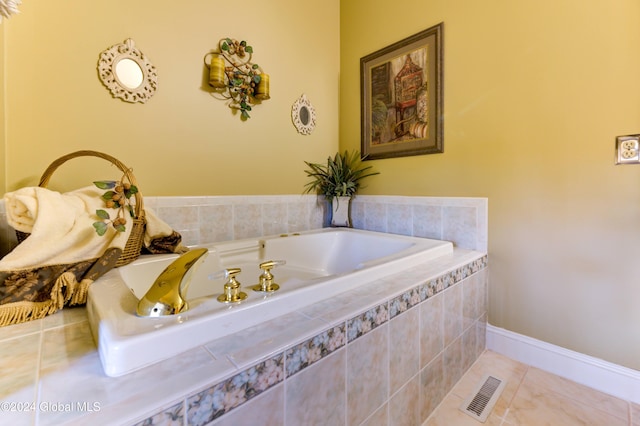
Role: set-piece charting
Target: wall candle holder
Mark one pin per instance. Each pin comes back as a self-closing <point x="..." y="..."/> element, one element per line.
<point x="235" y="77"/>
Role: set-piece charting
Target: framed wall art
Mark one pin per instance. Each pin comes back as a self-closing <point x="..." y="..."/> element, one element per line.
<point x="401" y="97"/>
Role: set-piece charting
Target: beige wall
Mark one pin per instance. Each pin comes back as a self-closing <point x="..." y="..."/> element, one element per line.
<point x="535" y="94"/>
<point x="182" y="141"/>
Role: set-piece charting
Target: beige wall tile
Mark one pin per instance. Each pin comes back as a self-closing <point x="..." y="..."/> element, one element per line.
<point x="469" y="347"/>
<point x="431" y="387"/>
<point x="427" y="221"/>
<point x="379" y="418"/>
<point x="431" y="329"/>
<point x="274" y="218"/>
<point x="404" y="359"/>
<point x="459" y="224"/>
<point x="316" y="395"/>
<point x="247" y="220"/>
<point x="404" y="406"/>
<point x="472" y="307"/>
<point x="452" y="313"/>
<point x="216" y="223"/>
<point x="265" y="409"/>
<point x="453" y="363"/>
<point x="367" y="374"/>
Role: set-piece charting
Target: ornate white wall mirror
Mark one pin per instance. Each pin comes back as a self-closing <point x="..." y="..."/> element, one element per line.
<point x="303" y="115"/>
<point x="127" y="72"/>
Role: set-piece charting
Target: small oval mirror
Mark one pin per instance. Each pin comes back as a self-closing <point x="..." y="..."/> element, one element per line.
<point x="303" y="115"/>
<point x="129" y="73"/>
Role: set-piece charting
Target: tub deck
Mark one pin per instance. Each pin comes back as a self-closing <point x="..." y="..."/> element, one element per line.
<point x="320" y="264"/>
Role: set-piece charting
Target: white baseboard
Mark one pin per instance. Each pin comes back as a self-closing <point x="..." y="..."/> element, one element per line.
<point x="601" y="375"/>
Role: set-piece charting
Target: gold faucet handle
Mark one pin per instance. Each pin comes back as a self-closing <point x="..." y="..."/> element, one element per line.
<point x="232" y="272"/>
<point x="226" y="274"/>
<point x="266" y="283"/>
<point x="268" y="265"/>
<point x="232" y="293"/>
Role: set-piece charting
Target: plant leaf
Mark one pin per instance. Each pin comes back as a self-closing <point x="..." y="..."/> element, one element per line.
<point x="105" y="184"/>
<point x="119" y="228"/>
<point x="102" y="214"/>
<point x="100" y="227"/>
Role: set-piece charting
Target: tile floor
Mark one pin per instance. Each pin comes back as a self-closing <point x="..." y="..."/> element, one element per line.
<point x="533" y="397"/>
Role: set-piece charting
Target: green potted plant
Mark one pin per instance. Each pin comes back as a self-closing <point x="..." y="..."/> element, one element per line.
<point x="338" y="180"/>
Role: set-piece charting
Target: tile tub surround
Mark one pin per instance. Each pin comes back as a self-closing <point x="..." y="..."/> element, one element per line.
<point x="54" y="360"/>
<point x="388" y="352"/>
<point x="203" y="220"/>
<point x="209" y="219"/>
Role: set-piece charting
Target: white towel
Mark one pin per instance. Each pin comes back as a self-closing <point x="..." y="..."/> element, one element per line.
<point x="61" y="227"/>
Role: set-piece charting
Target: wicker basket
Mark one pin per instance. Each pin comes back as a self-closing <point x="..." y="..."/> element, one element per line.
<point x="134" y="244"/>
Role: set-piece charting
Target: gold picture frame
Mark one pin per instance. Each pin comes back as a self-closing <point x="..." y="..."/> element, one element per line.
<point x="402" y="97"/>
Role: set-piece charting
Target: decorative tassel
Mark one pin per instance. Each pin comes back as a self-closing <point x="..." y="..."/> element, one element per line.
<point x="66" y="291"/>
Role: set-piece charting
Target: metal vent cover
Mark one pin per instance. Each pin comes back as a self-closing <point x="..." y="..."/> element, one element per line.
<point x="480" y="403"/>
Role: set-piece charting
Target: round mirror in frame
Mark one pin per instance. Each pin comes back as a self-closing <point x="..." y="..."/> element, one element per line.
<point x="127" y="72"/>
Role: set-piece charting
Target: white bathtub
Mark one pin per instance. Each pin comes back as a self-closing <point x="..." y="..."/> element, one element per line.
<point x="319" y="264"/>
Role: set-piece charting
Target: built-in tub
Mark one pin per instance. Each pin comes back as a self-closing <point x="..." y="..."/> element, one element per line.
<point x="319" y="264"/>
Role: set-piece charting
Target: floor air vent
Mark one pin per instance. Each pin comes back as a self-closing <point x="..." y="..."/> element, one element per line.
<point x="480" y="403"/>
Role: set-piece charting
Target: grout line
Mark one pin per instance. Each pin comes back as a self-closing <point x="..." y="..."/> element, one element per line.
<point x="387" y="401"/>
<point x="38" y="370"/>
<point x="515" y="393"/>
<point x="346" y="377"/>
<point x="504" y="418"/>
<point x="284" y="388"/>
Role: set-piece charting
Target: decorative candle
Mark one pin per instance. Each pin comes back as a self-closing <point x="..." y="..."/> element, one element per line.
<point x="262" y="91"/>
<point x="216" y="72"/>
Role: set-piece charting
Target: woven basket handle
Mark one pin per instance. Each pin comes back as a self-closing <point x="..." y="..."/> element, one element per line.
<point x="46" y="176"/>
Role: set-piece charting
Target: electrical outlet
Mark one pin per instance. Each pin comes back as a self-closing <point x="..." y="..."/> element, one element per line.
<point x="628" y="149"/>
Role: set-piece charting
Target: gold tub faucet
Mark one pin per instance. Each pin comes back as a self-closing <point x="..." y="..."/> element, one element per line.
<point x="167" y="295"/>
